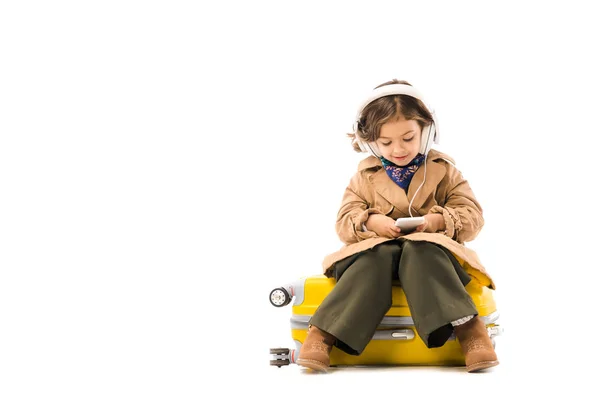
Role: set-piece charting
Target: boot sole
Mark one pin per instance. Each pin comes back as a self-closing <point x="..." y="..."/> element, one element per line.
<point x="312" y="364"/>
<point x="481" y="365"/>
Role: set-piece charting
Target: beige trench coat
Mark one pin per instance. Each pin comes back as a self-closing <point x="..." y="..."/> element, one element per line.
<point x="445" y="191"/>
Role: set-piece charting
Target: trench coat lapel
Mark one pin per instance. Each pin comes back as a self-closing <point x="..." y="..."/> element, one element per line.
<point x="393" y="193"/>
<point x="435" y="173"/>
<point x="389" y="190"/>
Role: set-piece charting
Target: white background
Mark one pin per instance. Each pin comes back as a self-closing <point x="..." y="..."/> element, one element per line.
<point x="164" y="165"/>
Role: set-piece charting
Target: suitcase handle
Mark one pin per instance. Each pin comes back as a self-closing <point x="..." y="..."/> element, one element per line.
<point x="394" y="334"/>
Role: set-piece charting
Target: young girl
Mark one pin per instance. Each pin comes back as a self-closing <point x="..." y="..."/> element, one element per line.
<point x="403" y="177"/>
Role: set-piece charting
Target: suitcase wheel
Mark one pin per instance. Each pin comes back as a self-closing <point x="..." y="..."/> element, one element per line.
<point x="280" y="363"/>
<point x="280" y="297"/>
<point x="281" y="356"/>
<point x="279" y="350"/>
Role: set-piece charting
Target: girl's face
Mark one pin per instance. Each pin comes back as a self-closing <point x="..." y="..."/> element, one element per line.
<point x="399" y="140"/>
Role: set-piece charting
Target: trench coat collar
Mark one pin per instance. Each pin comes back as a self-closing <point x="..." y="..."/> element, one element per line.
<point x="393" y="193"/>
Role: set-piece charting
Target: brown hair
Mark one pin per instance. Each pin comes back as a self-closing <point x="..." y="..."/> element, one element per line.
<point x="389" y="108"/>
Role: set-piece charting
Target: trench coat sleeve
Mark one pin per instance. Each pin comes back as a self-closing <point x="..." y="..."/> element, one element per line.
<point x="354" y="212"/>
<point x="462" y="212"/>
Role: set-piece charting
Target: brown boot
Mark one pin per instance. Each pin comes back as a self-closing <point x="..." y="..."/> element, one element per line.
<point x="476" y="345"/>
<point x="315" y="350"/>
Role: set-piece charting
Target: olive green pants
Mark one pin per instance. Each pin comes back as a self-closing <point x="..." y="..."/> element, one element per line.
<point x="433" y="281"/>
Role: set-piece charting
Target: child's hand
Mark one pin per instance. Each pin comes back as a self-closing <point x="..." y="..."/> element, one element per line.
<point x="433" y="223"/>
<point x="383" y="226"/>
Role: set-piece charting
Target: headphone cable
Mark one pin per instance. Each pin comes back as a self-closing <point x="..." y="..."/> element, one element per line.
<point x="424" y="175"/>
<point x="415" y="195"/>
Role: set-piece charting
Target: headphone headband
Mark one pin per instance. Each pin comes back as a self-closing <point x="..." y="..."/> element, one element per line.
<point x="391" y="90"/>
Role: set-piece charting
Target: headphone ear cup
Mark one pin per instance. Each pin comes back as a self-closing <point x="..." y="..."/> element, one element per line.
<point x="366" y="147"/>
<point x="427" y="137"/>
<point x="374" y="149"/>
<point x="360" y="143"/>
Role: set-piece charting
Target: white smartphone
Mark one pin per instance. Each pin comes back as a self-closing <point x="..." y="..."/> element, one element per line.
<point x="409" y="224"/>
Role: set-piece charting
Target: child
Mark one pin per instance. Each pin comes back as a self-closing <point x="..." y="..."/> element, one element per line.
<point x="403" y="177"/>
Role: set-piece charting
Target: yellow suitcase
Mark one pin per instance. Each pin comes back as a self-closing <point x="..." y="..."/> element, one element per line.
<point x="395" y="342"/>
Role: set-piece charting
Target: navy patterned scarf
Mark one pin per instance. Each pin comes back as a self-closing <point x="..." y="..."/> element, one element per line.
<point x="402" y="175"/>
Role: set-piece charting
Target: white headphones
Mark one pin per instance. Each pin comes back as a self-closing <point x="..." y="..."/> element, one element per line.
<point x="429" y="135"/>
